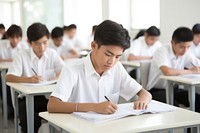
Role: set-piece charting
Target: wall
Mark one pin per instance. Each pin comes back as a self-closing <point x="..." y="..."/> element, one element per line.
<point x="176" y="13"/>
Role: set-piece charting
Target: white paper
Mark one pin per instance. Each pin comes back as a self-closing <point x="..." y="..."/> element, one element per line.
<point x="41" y="83"/>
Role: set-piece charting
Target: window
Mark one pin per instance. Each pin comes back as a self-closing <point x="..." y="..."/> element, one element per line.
<point x="83" y="13"/>
<point x="145" y="13"/>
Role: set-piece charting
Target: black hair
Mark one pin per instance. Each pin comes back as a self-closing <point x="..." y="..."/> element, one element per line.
<point x="2" y="26"/>
<point x="57" y="32"/>
<point x="153" y="31"/>
<point x="112" y="33"/>
<point x="182" y="34"/>
<point x="94" y="27"/>
<point x="14" y="31"/>
<point x="37" y="31"/>
<point x="196" y="28"/>
<point x="70" y="27"/>
<point x="140" y="33"/>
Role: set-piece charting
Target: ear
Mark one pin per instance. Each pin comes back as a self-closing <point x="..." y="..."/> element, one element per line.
<point x="93" y="45"/>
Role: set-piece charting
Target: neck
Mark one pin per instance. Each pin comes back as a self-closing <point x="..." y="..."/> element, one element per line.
<point x="97" y="69"/>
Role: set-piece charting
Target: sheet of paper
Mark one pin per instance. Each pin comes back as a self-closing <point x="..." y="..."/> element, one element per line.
<point x="41" y="83"/>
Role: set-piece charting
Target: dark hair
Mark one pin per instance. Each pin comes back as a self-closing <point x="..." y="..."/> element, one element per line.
<point x="196" y="29"/>
<point x="153" y="31"/>
<point x="140" y="33"/>
<point x="57" y="32"/>
<point x="112" y="33"/>
<point x="37" y="31"/>
<point x="94" y="27"/>
<point x="14" y="31"/>
<point x="182" y="34"/>
<point x="2" y="26"/>
<point x="70" y="27"/>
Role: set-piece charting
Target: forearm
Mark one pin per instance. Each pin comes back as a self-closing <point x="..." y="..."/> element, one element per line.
<point x="174" y="72"/>
<point x="57" y="106"/>
<point x="133" y="57"/>
<point x="6" y="60"/>
<point x="17" y="79"/>
<point x="144" y="95"/>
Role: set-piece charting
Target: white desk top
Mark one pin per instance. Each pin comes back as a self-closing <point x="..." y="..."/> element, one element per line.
<point x="31" y="89"/>
<point x="5" y="65"/>
<point x="183" y="79"/>
<point x="131" y="63"/>
<point x="141" y="123"/>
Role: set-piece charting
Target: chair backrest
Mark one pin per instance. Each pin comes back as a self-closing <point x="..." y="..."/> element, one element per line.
<point x="144" y="72"/>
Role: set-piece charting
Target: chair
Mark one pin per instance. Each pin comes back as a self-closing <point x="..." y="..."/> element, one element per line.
<point x="144" y="72"/>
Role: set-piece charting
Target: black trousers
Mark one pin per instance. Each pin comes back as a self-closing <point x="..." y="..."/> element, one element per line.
<point x="180" y="97"/>
<point x="40" y="104"/>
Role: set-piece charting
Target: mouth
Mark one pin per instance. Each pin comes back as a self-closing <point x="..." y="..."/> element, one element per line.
<point x="107" y="66"/>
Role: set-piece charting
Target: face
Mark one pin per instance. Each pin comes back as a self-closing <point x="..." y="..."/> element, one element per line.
<point x="151" y="40"/>
<point x="58" y="41"/>
<point x="14" y="41"/>
<point x="71" y="33"/>
<point x="196" y="39"/>
<point x="180" y="48"/>
<point x="40" y="46"/>
<point x="105" y="57"/>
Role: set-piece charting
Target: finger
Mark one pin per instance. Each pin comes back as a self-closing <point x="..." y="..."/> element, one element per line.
<point x="113" y="110"/>
<point x="114" y="106"/>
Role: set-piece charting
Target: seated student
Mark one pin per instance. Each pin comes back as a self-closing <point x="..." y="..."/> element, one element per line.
<point x="98" y="75"/>
<point x="2" y="31"/>
<point x="10" y="48"/>
<point x="195" y="47"/>
<point x="64" y="50"/>
<point x="171" y="60"/>
<point x="144" y="47"/>
<point x="46" y="63"/>
<point x="139" y="34"/>
<point x="70" y="37"/>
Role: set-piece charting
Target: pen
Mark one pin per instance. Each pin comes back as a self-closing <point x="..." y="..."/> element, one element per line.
<point x="106" y="98"/>
<point x="34" y="71"/>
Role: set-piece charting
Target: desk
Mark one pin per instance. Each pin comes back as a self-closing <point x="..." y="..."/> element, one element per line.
<point x="29" y="92"/>
<point x="188" y="82"/>
<point x="180" y="118"/>
<point x="3" y="68"/>
<point x="133" y="64"/>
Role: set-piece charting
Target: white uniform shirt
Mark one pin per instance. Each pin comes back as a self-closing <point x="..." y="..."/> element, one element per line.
<point x="74" y="43"/>
<point x="7" y="52"/>
<point x="139" y="47"/>
<point x="165" y="56"/>
<point x="81" y="83"/>
<point x="195" y="50"/>
<point x="62" y="50"/>
<point x="47" y="66"/>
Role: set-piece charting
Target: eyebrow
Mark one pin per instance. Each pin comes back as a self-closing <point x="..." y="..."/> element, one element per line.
<point x="113" y="53"/>
<point x="41" y="42"/>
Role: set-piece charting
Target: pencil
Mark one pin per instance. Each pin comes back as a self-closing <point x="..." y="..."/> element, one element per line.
<point x="34" y="71"/>
<point x="106" y="98"/>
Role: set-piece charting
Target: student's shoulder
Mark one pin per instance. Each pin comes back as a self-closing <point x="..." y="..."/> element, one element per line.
<point x="74" y="63"/>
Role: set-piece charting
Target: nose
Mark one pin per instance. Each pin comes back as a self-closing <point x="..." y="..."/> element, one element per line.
<point x="111" y="60"/>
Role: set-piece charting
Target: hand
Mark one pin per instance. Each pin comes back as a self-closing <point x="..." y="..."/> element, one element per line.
<point x="36" y="79"/>
<point x="140" y="105"/>
<point x="195" y="69"/>
<point x="105" y="108"/>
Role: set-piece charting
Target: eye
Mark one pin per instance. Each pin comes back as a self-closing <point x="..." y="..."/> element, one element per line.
<point x="107" y="54"/>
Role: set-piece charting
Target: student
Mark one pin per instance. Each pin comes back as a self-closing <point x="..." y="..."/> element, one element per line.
<point x="2" y="31"/>
<point x="144" y="47"/>
<point x="171" y="60"/>
<point x="98" y="75"/>
<point x="64" y="50"/>
<point x="46" y="63"/>
<point x="9" y="49"/>
<point x="139" y="34"/>
<point x="91" y="37"/>
<point x="70" y="37"/>
<point x="195" y="48"/>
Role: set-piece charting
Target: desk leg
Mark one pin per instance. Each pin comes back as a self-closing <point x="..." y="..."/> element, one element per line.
<point x="191" y="95"/>
<point x="4" y="95"/>
<point x="30" y="113"/>
<point x="138" y="75"/>
<point x="170" y="93"/>
<point x="16" y="109"/>
<point x="171" y="130"/>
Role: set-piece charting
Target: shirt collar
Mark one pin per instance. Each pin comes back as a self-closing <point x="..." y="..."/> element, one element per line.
<point x="89" y="68"/>
<point x="34" y="56"/>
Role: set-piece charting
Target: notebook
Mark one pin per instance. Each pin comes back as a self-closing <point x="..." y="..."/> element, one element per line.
<point x="123" y="111"/>
<point x="41" y="83"/>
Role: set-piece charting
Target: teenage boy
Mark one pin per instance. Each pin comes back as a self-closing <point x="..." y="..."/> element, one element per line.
<point x="97" y="76"/>
<point x="172" y="60"/>
<point x="195" y="48"/>
<point x="45" y="62"/>
<point x="64" y="50"/>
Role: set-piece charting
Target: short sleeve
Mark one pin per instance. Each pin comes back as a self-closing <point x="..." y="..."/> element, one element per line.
<point x="16" y="67"/>
<point x="135" y="48"/>
<point x="57" y="61"/>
